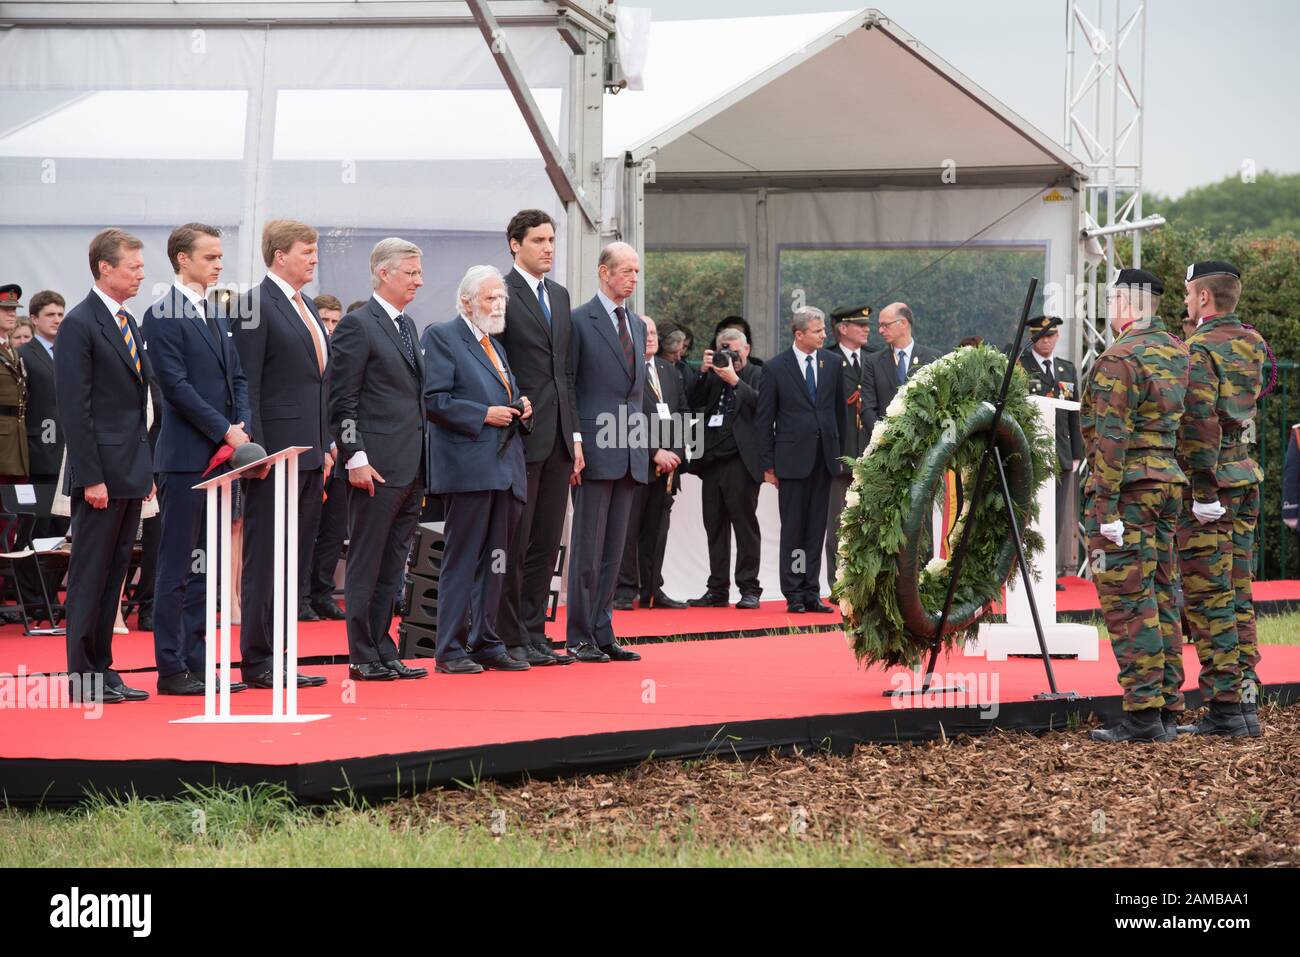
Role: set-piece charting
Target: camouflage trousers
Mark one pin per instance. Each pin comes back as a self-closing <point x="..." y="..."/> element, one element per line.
<point x="1216" y="562"/>
<point x="1136" y="584"/>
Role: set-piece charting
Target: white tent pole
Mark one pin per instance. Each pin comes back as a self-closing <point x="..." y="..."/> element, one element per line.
<point x="259" y="145"/>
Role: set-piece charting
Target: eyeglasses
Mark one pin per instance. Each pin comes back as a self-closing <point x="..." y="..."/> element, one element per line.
<point x="412" y="273"/>
<point x="886" y="325"/>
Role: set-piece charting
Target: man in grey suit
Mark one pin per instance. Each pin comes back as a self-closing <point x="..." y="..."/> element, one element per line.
<point x="852" y="329"/>
<point x="609" y="382"/>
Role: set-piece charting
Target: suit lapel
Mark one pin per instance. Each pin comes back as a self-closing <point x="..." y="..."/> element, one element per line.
<point x="528" y="297"/>
<point x="380" y="315"/>
<point x="290" y="314"/>
<point x="189" y="312"/>
<point x="113" y="332"/>
<point x="794" y="367"/>
<point x="478" y="352"/>
<point x="605" y="329"/>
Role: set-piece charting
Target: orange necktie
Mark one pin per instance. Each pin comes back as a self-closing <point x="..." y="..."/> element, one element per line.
<point x="311" y="329"/>
<point x="486" y="343"/>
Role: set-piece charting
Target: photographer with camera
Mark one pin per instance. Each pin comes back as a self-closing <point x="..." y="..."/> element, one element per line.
<point x="729" y="468"/>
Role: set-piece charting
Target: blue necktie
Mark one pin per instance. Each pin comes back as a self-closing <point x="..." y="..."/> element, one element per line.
<point x="902" y="366"/>
<point x="541" y="299"/>
<point x="810" y="379"/>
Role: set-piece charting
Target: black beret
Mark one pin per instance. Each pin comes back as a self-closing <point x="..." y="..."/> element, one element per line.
<point x="1212" y="267"/>
<point x="859" y="314"/>
<point x="1141" y="279"/>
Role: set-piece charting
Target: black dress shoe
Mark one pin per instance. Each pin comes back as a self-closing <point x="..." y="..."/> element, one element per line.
<point x="307" y="613"/>
<point x="328" y="610"/>
<point x="817" y="608"/>
<point x="266" y="680"/>
<point x="544" y="649"/>
<point x="405" y="671"/>
<point x="588" y="653"/>
<point x="459" y="666"/>
<point x="708" y="600"/>
<point x="660" y="600"/>
<point x="616" y="652"/>
<point x="181" y="683"/>
<point x="622" y="604"/>
<point x="530" y="655"/>
<point x="748" y="601"/>
<point x="370" y="671"/>
<point x="1060" y="587"/>
<point x="144" y="619"/>
<point x="132" y="694"/>
<point x="236" y="686"/>
<point x="794" y="607"/>
<point x="503" y="663"/>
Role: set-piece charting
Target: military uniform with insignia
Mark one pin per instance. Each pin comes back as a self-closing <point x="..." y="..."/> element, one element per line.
<point x="1132" y="407"/>
<point x="856" y="436"/>
<point x="1216" y="536"/>
<point x="1057" y="379"/>
<point x="13" y="392"/>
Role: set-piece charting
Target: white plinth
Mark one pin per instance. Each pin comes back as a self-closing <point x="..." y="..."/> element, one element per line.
<point x="1017" y="636"/>
<point x="250" y="719"/>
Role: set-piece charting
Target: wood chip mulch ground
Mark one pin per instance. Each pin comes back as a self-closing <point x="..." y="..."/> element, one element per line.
<point x="998" y="799"/>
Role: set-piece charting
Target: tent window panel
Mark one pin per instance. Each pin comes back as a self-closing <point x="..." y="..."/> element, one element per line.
<point x="694" y="289"/>
<point x="975" y="290"/>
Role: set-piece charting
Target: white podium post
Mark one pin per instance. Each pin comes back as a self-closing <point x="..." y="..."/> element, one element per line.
<point x="1017" y="637"/>
<point x="284" y="701"/>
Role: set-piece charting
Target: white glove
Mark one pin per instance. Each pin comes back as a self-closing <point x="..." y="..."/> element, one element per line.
<point x="1113" y="530"/>
<point x="1207" y="512"/>
<point x="1292" y="523"/>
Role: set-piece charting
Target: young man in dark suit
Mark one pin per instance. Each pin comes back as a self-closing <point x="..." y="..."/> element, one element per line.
<point x="730" y="470"/>
<point x="205" y="405"/>
<point x="377" y="417"/>
<point x="664" y="404"/>
<point x="852" y="328"/>
<point x="609" y="379"/>
<point x="476" y="463"/>
<point x="101" y="376"/>
<point x="889" y="368"/>
<point x="801" y="413"/>
<point x="44" y="436"/>
<point x="537" y="337"/>
<point x="283" y="351"/>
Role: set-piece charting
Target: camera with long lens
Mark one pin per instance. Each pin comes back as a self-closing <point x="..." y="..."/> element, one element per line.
<point x="724" y="358"/>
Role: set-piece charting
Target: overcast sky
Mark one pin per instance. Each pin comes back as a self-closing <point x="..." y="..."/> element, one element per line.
<point x="1222" y="80"/>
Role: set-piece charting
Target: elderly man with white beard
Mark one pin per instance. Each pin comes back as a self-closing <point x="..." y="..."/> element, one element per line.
<point x="476" y="463"/>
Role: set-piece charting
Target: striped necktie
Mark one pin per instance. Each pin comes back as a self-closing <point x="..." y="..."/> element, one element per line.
<point x="123" y="322"/>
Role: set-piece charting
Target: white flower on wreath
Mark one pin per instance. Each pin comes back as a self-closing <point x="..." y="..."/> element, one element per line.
<point x="877" y="434"/>
<point x="846" y="607"/>
<point x="897" y="404"/>
<point x="935" y="566"/>
<point x="851" y="498"/>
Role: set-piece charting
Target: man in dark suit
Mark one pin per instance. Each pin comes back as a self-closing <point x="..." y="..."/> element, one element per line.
<point x="609" y="380"/>
<point x="852" y="329"/>
<point x="44" y="436"/>
<point x="730" y="470"/>
<point x="664" y="405"/>
<point x="318" y="591"/>
<point x="801" y="416"/>
<point x="283" y="351"/>
<point x="377" y="417"/>
<point x="101" y="376"/>
<point x="1057" y="379"/>
<point x="205" y="405"/>
<point x="537" y="339"/>
<point x="476" y="463"/>
<point x="884" y="371"/>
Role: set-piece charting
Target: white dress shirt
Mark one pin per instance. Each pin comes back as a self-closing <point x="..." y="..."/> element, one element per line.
<point x="802" y="358"/>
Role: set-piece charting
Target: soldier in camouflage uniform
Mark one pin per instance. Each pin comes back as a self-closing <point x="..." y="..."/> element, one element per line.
<point x="1132" y="406"/>
<point x="1216" y="536"/>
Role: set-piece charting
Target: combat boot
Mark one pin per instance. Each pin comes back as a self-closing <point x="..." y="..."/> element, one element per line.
<point x="1146" y="725"/>
<point x="1250" y="712"/>
<point x="1170" y="720"/>
<point x="1223" y="720"/>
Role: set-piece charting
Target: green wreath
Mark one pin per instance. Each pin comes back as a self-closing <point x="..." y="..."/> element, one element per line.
<point x="938" y="422"/>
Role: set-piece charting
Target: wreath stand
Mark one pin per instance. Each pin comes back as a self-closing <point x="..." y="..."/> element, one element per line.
<point x="992" y="453"/>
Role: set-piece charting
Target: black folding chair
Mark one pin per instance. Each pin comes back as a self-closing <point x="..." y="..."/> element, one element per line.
<point x="17" y="521"/>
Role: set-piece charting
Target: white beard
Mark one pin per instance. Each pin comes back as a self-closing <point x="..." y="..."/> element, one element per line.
<point x="492" y="325"/>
